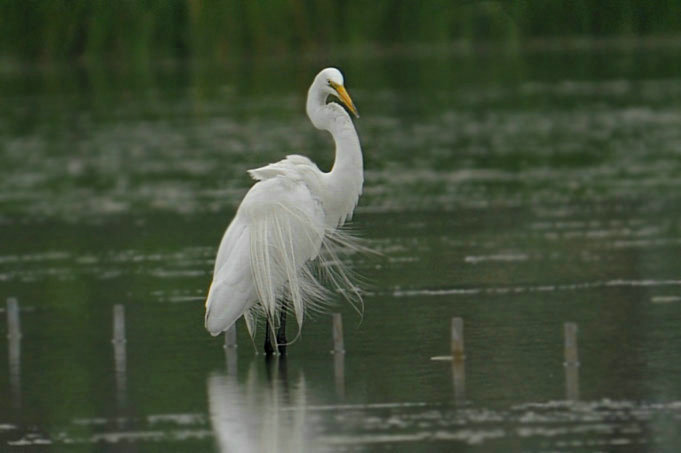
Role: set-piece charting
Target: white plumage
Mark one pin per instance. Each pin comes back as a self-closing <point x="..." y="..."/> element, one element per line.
<point x="286" y="229"/>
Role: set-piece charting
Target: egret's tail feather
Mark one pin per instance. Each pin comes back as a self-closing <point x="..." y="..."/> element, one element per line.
<point x="291" y="255"/>
<point x="337" y="245"/>
<point x="251" y="316"/>
<point x="281" y="244"/>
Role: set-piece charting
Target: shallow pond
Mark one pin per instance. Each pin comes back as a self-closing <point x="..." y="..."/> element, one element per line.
<point x="518" y="190"/>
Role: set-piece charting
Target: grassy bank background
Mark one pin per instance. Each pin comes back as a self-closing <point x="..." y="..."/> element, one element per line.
<point x="130" y="31"/>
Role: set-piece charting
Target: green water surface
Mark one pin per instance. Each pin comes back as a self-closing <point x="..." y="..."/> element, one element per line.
<point x="518" y="190"/>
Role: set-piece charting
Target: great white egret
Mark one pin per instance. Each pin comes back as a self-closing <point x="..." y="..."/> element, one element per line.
<point x="287" y="226"/>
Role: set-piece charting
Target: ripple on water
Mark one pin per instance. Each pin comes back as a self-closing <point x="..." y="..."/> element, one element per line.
<point x="616" y="283"/>
<point x="665" y="299"/>
<point x="556" y="423"/>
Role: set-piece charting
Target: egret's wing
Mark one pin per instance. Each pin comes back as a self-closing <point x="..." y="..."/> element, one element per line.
<point x="236" y="232"/>
<point x="232" y="291"/>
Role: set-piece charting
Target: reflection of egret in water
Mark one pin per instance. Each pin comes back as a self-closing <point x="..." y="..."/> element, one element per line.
<point x="339" y="375"/>
<point x="259" y="415"/>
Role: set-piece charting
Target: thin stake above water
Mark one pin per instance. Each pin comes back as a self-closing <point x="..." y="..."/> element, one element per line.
<point x="456" y="343"/>
<point x="457" y="339"/>
<point x="458" y="359"/>
<point x="338" y="344"/>
<point x="118" y="324"/>
<point x="571" y="352"/>
<point x="13" y="323"/>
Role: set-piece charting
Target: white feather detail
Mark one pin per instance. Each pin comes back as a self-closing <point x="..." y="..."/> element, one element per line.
<point x="280" y="244"/>
<point x="307" y="288"/>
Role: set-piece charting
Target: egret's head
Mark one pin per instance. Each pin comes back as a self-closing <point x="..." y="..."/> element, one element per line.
<point x="330" y="81"/>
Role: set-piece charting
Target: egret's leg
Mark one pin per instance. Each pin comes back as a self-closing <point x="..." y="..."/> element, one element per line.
<point x="281" y="333"/>
<point x="269" y="347"/>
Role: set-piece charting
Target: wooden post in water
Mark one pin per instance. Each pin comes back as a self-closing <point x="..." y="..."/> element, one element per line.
<point x="118" y="324"/>
<point x="13" y="322"/>
<point x="338" y="345"/>
<point x="14" y="350"/>
<point x="457" y="339"/>
<point x="120" y="354"/>
<point x="571" y="363"/>
<point x="458" y="360"/>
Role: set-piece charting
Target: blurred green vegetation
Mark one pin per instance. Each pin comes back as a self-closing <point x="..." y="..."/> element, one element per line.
<point x="127" y="30"/>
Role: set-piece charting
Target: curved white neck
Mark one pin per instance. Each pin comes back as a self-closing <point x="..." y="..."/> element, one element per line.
<point x="343" y="184"/>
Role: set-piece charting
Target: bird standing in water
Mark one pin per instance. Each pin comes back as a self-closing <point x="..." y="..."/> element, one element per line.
<point x="287" y="229"/>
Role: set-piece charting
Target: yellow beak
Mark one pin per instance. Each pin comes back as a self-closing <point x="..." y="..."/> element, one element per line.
<point x="345" y="98"/>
